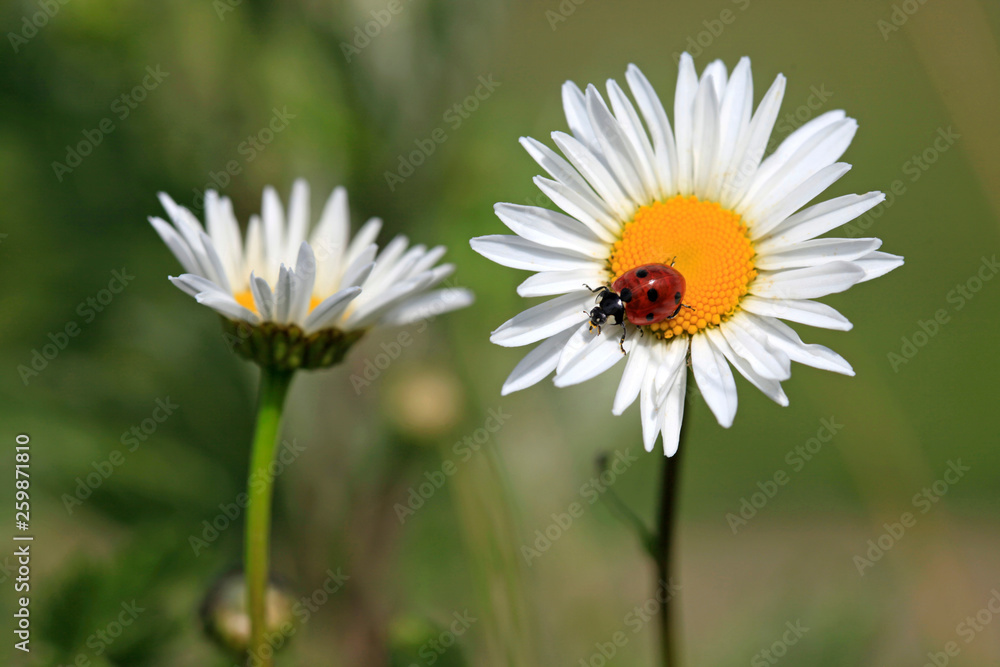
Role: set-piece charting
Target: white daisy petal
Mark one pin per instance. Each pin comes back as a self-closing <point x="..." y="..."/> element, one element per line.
<point x="769" y="386"/>
<point x="550" y="283"/>
<point x="818" y="219"/>
<point x="298" y="215"/>
<point x="253" y="254"/>
<point x="430" y="258"/>
<point x="631" y="382"/>
<point x="715" y="74"/>
<point x="672" y="412"/>
<point x="368" y="313"/>
<point x="806" y="131"/>
<point x="664" y="145"/>
<point x="537" y="364"/>
<point x="705" y="128"/>
<point x="672" y="360"/>
<point x="878" y="264"/>
<point x="224" y="234"/>
<point x="176" y="244"/>
<point x="543" y="320"/>
<point x="604" y="224"/>
<point x="802" y="311"/>
<point x="817" y="251"/>
<point x="193" y="284"/>
<point x="393" y="269"/>
<point x="226" y="305"/>
<point x="600" y="354"/>
<point x="592" y="206"/>
<point x="617" y="150"/>
<point x="216" y="271"/>
<point x="263" y="297"/>
<point x="687" y="89"/>
<point x="631" y="126"/>
<point x="714" y="378"/>
<point x="274" y="227"/>
<point x="751" y="147"/>
<point x="183" y="220"/>
<point x="518" y="253"/>
<point x="768" y="363"/>
<point x="329" y="239"/>
<point x="807" y="283"/>
<point x="551" y="228"/>
<point x="302" y="281"/>
<point x="774" y="213"/>
<point x="386" y="260"/>
<point x="361" y="268"/>
<point x="596" y="173"/>
<point x="783" y="337"/>
<point x="330" y="309"/>
<point x="575" y="106"/>
<point x="362" y="240"/>
<point x="735" y="110"/>
<point x="575" y="346"/>
<point x="650" y="409"/>
<point x="793" y="142"/>
<point x="283" y="295"/>
<point x="427" y="306"/>
<point x="818" y="152"/>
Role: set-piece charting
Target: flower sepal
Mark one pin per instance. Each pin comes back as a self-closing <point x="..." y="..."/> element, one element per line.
<point x="287" y="347"/>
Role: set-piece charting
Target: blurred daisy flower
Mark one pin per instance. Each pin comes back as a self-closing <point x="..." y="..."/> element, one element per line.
<point x="295" y="302"/>
<point x="637" y="190"/>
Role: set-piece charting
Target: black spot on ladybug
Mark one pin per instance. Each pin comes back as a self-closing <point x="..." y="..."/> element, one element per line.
<point x="652" y="295"/>
<point x="642" y="273"/>
<point x="677" y="298"/>
<point x="626" y="295"/>
<point x="649" y="316"/>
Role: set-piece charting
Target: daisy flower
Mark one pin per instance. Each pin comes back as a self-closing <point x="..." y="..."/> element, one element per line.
<point x="636" y="189"/>
<point x="297" y="302"/>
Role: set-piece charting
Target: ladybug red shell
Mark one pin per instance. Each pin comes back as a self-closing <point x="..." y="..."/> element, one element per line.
<point x="644" y="295"/>
<point x="651" y="293"/>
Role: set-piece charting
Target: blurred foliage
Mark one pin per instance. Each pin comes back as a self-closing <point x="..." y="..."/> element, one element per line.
<point x="231" y="66"/>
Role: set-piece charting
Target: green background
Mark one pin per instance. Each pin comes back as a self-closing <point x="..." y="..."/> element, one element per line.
<point x="229" y="67"/>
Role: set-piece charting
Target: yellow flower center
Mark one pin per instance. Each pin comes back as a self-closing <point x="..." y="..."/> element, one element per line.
<point x="712" y="252"/>
<point x="245" y="299"/>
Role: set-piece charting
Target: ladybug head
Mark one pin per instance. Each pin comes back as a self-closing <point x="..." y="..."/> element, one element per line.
<point x="598" y="316"/>
<point x="609" y="306"/>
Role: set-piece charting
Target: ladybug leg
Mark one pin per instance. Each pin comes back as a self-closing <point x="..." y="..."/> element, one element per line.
<point x="673" y="260"/>
<point x="621" y="343"/>
<point x="683" y="305"/>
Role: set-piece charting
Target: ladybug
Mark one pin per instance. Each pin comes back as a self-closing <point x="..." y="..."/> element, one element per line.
<point x="647" y="294"/>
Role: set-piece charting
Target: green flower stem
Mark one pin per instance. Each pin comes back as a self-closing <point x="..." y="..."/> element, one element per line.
<point x="624" y="513"/>
<point x="665" y="538"/>
<point x="273" y="389"/>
